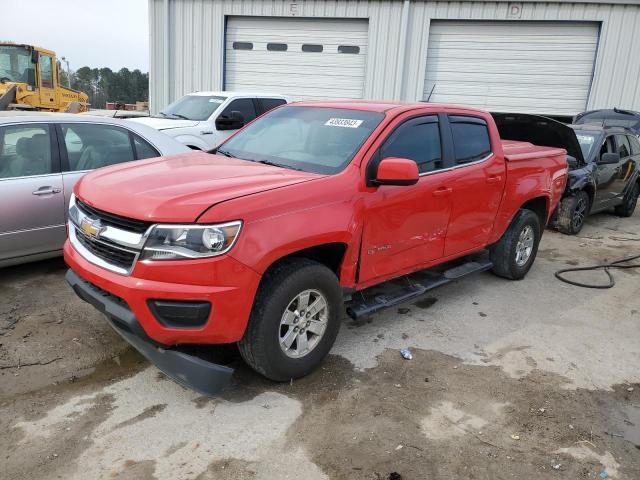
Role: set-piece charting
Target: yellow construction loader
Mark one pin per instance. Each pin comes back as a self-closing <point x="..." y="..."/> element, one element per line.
<point x="30" y="80"/>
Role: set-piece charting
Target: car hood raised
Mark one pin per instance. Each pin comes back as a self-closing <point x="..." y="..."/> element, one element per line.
<point x="180" y="188"/>
<point x="165" y="123"/>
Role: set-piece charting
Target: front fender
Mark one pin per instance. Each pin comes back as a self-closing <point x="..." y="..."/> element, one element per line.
<point x="195" y="141"/>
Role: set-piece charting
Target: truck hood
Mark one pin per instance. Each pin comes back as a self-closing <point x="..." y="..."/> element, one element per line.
<point x="180" y="188"/>
<point x="165" y="123"/>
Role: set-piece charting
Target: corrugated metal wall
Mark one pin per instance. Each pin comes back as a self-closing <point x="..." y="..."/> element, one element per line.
<point x="192" y="56"/>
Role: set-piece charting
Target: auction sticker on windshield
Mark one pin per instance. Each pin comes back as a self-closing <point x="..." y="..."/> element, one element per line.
<point x="344" y="122"/>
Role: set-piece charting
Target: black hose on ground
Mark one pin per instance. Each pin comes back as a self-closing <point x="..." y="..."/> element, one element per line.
<point x="622" y="263"/>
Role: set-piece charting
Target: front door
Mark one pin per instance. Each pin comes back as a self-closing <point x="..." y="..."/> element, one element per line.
<point x="47" y="82"/>
<point x="32" y="216"/>
<point x="606" y="176"/>
<point x="626" y="166"/>
<point x="405" y="226"/>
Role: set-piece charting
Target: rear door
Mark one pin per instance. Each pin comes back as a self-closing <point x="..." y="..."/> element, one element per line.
<point x="405" y="226"/>
<point x="47" y="82"/>
<point x="32" y="216"/>
<point x="477" y="180"/>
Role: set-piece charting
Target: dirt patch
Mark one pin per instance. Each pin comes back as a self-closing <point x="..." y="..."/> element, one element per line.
<point x="47" y="334"/>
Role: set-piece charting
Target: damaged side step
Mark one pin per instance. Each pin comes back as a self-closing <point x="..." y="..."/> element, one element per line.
<point x="392" y="293"/>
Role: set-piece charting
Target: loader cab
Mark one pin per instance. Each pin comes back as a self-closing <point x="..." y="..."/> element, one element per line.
<point x="18" y="64"/>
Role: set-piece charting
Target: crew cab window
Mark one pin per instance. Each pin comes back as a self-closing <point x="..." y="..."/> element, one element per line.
<point x="419" y="140"/>
<point x="25" y="150"/>
<point x="623" y="147"/>
<point x="267" y="104"/>
<point x="470" y="139"/>
<point x="243" y="105"/>
<point x="91" y="146"/>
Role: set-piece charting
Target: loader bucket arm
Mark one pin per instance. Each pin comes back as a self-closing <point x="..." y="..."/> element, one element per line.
<point x="8" y="98"/>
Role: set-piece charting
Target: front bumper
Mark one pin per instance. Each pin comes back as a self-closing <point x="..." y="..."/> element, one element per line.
<point x="190" y="371"/>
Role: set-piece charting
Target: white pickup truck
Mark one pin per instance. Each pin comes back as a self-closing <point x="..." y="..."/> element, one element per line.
<point x="202" y="120"/>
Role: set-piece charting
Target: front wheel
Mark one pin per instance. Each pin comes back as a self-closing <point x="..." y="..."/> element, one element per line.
<point x="629" y="205"/>
<point x="294" y="321"/>
<point x="514" y="253"/>
<point x="572" y="212"/>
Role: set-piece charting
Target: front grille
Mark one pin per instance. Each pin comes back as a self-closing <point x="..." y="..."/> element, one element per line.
<point x="130" y="224"/>
<point x="110" y="254"/>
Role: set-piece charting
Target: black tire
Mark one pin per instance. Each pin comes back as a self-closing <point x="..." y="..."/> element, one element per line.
<point x="260" y="346"/>
<point x="572" y="212"/>
<point x="504" y="252"/>
<point x="628" y="207"/>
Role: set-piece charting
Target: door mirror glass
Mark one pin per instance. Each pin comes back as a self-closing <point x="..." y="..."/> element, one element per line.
<point x="572" y="161"/>
<point x="397" y="171"/>
<point x="234" y="121"/>
<point x="609" y="158"/>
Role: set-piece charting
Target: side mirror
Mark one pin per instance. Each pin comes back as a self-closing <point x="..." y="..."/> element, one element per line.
<point x="572" y="161"/>
<point x="35" y="56"/>
<point x="609" y="158"/>
<point x="397" y="171"/>
<point x="233" y="122"/>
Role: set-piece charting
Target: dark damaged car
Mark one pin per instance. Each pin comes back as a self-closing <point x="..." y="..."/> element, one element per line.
<point x="604" y="165"/>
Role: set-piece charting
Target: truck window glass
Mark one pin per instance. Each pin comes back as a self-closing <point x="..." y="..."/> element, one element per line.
<point x="94" y="146"/>
<point x="470" y="140"/>
<point x="16" y="65"/>
<point x="270" y="103"/>
<point x="313" y="139"/>
<point x="46" y="71"/>
<point x="623" y="147"/>
<point x="418" y="141"/>
<point x="25" y="150"/>
<point x="143" y="148"/>
<point x="244" y="106"/>
<point x="193" y="107"/>
<point x="635" y="146"/>
<point x="587" y="142"/>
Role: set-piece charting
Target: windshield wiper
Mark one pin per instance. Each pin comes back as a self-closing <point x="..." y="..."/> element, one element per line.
<point x="274" y="164"/>
<point x="224" y="152"/>
<point x="180" y="116"/>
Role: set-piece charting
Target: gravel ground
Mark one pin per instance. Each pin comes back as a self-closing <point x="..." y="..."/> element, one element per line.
<point x="530" y="379"/>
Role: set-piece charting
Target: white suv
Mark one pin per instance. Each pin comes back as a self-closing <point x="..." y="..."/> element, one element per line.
<point x="202" y="120"/>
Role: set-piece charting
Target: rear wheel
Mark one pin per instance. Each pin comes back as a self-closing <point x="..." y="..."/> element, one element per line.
<point x="516" y="250"/>
<point x="294" y="321"/>
<point x="629" y="205"/>
<point x="572" y="212"/>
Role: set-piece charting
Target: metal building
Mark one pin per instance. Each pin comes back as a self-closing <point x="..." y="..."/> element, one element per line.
<point x="554" y="58"/>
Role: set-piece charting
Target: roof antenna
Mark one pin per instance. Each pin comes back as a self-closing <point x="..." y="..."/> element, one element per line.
<point x="431" y="93"/>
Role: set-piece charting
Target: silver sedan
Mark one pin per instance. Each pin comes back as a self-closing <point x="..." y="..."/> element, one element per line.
<point x="42" y="156"/>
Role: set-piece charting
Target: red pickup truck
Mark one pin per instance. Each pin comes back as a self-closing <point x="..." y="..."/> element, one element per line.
<point x="265" y="242"/>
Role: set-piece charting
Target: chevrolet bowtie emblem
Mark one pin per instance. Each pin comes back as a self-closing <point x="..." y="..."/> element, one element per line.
<point x="91" y="228"/>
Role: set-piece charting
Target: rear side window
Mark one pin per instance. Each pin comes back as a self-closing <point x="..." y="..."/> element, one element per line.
<point x="143" y="148"/>
<point x="418" y="140"/>
<point x="91" y="146"/>
<point x="244" y="106"/>
<point x="25" y="150"/>
<point x="267" y="104"/>
<point x="470" y="139"/>
<point x="623" y="147"/>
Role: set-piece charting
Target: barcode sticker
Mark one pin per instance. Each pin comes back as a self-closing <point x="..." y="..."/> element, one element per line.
<point x="344" y="122"/>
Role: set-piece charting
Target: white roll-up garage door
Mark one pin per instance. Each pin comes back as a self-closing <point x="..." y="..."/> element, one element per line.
<point x="507" y="66"/>
<point x="300" y="57"/>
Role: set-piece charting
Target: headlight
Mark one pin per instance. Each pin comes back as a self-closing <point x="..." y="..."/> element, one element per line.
<point x="175" y="242"/>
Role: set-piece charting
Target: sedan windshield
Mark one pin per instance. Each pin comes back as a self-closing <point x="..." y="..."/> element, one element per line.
<point x="313" y="139"/>
<point x="193" y="107"/>
<point x="586" y="141"/>
<point x="15" y="64"/>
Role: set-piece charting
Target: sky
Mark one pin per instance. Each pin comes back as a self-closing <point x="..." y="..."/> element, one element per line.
<point x="104" y="33"/>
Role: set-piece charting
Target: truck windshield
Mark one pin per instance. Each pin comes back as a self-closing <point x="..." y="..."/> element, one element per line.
<point x="586" y="141"/>
<point x="193" y="107"/>
<point x="313" y="139"/>
<point x="15" y="64"/>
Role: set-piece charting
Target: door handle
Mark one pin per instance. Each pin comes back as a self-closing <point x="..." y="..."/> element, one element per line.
<point x="494" y="179"/>
<point x="47" y="191"/>
<point x="442" y="192"/>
